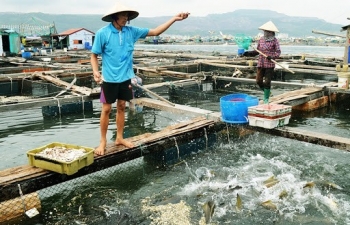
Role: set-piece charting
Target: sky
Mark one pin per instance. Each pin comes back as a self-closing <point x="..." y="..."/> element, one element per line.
<point x="334" y="11"/>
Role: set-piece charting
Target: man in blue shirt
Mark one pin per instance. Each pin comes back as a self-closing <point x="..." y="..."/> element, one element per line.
<point x="115" y="43"/>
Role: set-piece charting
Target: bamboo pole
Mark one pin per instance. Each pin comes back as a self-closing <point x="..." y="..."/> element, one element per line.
<point x="154" y="94"/>
<point x="13" y="208"/>
<point x="273" y="60"/>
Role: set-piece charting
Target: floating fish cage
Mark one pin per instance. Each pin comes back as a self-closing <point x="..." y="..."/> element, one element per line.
<point x="9" y="88"/>
<point x="66" y="163"/>
<point x="70" y="108"/>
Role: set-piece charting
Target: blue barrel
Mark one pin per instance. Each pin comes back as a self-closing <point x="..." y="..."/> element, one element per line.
<point x="26" y="55"/>
<point x="234" y="107"/>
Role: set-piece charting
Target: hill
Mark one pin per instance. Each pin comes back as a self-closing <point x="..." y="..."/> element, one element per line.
<point x="240" y="21"/>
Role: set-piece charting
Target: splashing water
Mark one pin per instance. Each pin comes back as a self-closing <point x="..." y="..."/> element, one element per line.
<point x="294" y="202"/>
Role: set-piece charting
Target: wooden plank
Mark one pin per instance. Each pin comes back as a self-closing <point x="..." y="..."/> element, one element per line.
<point x="186" y="82"/>
<point x="285" y="99"/>
<point x="170" y="131"/>
<point x="303" y="66"/>
<point x="84" y="61"/>
<point x="275" y="83"/>
<point x="309" y="136"/>
<point x="313" y="104"/>
<point x="180" y="109"/>
<point x="317" y="72"/>
<point x="301" y="92"/>
<point x="299" y="99"/>
<point x="83" y="90"/>
<point x="17" y="173"/>
<point x="224" y="65"/>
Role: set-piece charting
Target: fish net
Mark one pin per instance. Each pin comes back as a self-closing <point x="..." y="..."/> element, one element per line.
<point x="243" y="41"/>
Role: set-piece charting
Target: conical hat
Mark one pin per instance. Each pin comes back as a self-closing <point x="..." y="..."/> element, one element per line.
<point x="119" y="8"/>
<point x="269" y="26"/>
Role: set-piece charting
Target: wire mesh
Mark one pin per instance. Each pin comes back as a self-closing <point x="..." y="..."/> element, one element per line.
<point x="129" y="193"/>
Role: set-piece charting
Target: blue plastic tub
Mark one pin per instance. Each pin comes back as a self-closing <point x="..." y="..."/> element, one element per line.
<point x="234" y="107"/>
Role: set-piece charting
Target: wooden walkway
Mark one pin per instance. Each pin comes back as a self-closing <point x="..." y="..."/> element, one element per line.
<point x="308" y="136"/>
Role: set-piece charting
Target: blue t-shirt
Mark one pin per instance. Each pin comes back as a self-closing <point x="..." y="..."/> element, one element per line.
<point x="116" y="48"/>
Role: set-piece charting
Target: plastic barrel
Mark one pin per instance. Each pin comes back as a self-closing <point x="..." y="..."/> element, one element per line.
<point x="26" y="55"/>
<point x="343" y="80"/>
<point x="234" y="107"/>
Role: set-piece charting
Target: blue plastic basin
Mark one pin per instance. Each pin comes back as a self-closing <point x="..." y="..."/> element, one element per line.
<point x="234" y="107"/>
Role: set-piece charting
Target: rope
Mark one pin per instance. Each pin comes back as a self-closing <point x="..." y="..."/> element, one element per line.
<point x="206" y="139"/>
<point x="228" y="134"/>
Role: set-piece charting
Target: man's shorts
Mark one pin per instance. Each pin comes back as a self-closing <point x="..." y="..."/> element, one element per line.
<point x="110" y="92"/>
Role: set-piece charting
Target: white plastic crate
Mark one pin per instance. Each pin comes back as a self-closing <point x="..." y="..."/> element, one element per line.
<point x="268" y="123"/>
<point x="269" y="110"/>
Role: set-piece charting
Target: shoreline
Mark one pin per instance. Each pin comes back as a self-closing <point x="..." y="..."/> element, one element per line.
<point x="233" y="44"/>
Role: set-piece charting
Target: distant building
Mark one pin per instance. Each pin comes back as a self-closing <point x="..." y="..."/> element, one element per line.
<point x="74" y="39"/>
<point x="282" y="36"/>
<point x="10" y="42"/>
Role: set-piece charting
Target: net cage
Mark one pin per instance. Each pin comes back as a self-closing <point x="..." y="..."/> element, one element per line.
<point x="243" y="41"/>
<point x="121" y="194"/>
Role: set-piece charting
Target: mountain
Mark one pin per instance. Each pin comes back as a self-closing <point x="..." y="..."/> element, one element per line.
<point x="244" y="21"/>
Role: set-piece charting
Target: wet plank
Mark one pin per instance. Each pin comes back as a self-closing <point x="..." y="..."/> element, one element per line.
<point x="168" y="132"/>
<point x="296" y="94"/>
<point x="309" y="136"/>
<point x="180" y="109"/>
<point x="17" y="173"/>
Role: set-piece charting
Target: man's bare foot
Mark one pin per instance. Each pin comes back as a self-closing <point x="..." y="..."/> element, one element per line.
<point x="100" y="150"/>
<point x="124" y="142"/>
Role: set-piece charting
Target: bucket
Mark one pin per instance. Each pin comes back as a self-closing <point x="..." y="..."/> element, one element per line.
<point x="87" y="45"/>
<point x="234" y="107"/>
<point x="241" y="51"/>
<point x="343" y="80"/>
<point x="26" y="55"/>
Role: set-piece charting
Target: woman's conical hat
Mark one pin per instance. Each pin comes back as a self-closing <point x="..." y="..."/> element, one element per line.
<point x="119" y="8"/>
<point x="269" y="26"/>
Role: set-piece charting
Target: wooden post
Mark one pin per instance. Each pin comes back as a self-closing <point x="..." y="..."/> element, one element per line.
<point x="13" y="208"/>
